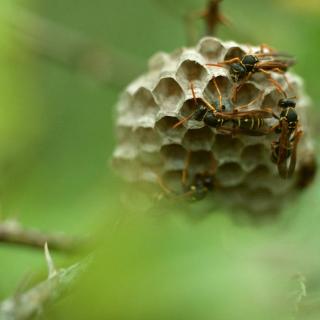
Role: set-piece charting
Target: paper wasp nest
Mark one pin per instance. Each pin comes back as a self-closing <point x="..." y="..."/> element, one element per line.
<point x="150" y="150"/>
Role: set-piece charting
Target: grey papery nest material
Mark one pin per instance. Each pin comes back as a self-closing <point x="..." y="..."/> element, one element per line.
<point x="149" y="148"/>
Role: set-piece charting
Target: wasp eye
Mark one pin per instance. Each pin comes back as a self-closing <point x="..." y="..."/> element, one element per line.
<point x="282" y="103"/>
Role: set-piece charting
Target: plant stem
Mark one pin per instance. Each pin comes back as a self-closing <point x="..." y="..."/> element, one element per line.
<point x="13" y="233"/>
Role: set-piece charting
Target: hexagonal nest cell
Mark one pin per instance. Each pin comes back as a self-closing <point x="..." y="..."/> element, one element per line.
<point x="152" y="147"/>
<point x="169" y="94"/>
<point x="234" y="52"/>
<point x="198" y="139"/>
<point x="174" y="157"/>
<point x="144" y="104"/>
<point x="220" y="87"/>
<point x="230" y="174"/>
<point x="167" y="130"/>
<point x="201" y="162"/>
<point x="227" y="147"/>
<point x="254" y="155"/>
<point x="191" y="71"/>
<point x="147" y="138"/>
<point x="172" y="182"/>
<point x="246" y="95"/>
<point x="190" y="106"/>
<point x="211" y="49"/>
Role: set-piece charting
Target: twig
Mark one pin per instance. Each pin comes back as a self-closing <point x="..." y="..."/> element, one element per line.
<point x="213" y="17"/>
<point x="300" y="294"/>
<point x="11" y="232"/>
<point x="32" y="302"/>
<point x="70" y="48"/>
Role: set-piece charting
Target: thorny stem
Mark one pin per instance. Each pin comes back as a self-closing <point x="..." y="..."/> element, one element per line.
<point x="13" y="233"/>
<point x="70" y="48"/>
<point x="32" y="302"/>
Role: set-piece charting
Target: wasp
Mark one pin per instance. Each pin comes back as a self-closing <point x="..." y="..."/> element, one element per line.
<point x="241" y="69"/>
<point x="247" y="122"/>
<point x="197" y="190"/>
<point x="284" y="150"/>
<point x="194" y="188"/>
<point x="202" y="184"/>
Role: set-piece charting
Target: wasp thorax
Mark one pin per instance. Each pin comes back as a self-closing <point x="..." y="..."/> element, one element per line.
<point x="212" y="120"/>
<point x="152" y="150"/>
<point x="249" y="62"/>
<point x="237" y="71"/>
<point x="291" y="115"/>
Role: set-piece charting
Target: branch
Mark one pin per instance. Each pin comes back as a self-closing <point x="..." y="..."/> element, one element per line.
<point x="11" y="232"/>
<point x="70" y="48"/>
<point x="32" y="302"/>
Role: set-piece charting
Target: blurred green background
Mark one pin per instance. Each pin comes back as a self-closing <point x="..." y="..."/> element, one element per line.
<point x="57" y="137"/>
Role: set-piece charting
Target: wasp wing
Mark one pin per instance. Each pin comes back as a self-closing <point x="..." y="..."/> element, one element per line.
<point x="278" y="54"/>
<point x="284" y="149"/>
<point x="293" y="159"/>
<point x="248" y="132"/>
<point x="267" y="113"/>
<point x="275" y="64"/>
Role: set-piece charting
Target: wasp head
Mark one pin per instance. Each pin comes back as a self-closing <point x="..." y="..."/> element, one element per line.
<point x="200" y="113"/>
<point x="286" y="103"/>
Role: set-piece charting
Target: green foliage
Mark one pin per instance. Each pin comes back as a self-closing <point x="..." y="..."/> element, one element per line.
<point x="56" y="136"/>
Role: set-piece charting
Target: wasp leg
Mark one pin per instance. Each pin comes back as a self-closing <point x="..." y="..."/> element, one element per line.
<point x="274" y="82"/>
<point x="179" y="123"/>
<point x="264" y="47"/>
<point x="237" y="87"/>
<point x="283" y="73"/>
<point x="164" y="188"/>
<point x="193" y="92"/>
<point x="245" y="106"/>
<point x="219" y="93"/>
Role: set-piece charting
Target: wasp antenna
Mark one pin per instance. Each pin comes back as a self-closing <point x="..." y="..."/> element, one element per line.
<point x="208" y="104"/>
<point x="220" y="65"/>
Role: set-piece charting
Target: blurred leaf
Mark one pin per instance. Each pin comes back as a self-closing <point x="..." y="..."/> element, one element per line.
<point x="56" y="136"/>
